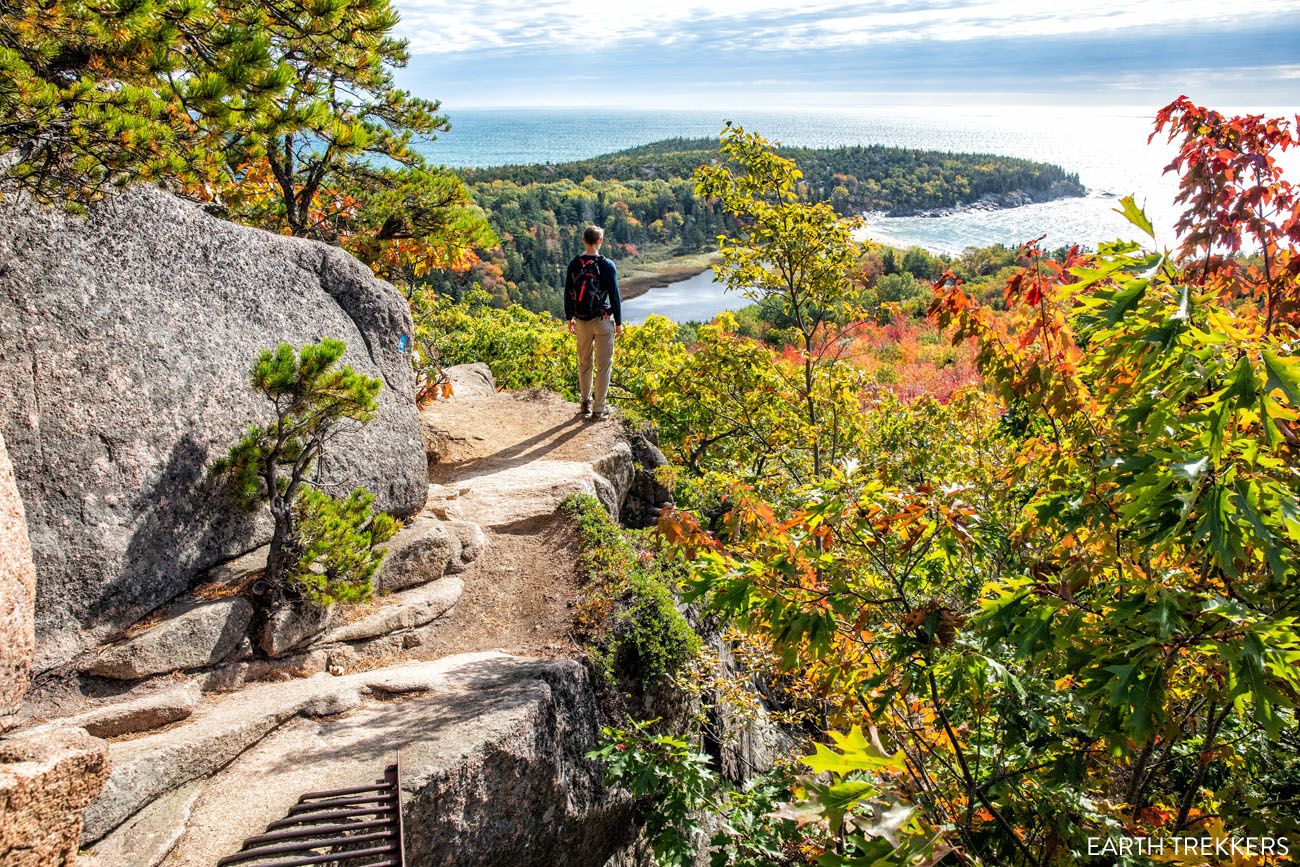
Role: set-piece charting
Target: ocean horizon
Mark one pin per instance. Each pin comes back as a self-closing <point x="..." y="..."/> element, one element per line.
<point x="1106" y="146"/>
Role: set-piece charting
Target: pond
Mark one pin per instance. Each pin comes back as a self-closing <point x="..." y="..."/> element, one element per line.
<point x="695" y="299"/>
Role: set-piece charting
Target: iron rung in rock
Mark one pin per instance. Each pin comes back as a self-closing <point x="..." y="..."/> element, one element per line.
<point x="334" y="828"/>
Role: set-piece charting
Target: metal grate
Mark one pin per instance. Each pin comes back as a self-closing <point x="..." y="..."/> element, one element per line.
<point x="356" y="827"/>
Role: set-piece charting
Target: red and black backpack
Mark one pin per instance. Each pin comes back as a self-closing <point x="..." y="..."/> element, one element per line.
<point x="586" y="294"/>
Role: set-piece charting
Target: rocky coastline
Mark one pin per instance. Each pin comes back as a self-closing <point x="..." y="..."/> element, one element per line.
<point x="997" y="201"/>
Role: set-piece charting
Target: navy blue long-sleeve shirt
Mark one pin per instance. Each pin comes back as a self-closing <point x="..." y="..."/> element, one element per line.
<point x="608" y="283"/>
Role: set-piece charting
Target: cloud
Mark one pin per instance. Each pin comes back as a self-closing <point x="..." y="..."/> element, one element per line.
<point x="679" y="53"/>
<point x="447" y="27"/>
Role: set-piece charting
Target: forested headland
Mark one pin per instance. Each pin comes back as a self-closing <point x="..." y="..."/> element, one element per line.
<point x="646" y="200"/>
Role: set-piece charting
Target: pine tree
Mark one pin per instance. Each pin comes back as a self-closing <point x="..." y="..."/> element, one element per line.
<point x="322" y="549"/>
<point x="287" y="109"/>
<point x="100" y="94"/>
<point x="337" y="159"/>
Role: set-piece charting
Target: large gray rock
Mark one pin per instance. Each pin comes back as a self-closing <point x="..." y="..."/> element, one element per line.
<point x="125" y="343"/>
<point x="292" y="626"/>
<point x="524" y="743"/>
<point x="17" y="593"/>
<point x="191" y="635"/>
<point x="469" y="543"/>
<point x="418" y="554"/>
<point x="471" y="380"/>
<point x="475" y="732"/>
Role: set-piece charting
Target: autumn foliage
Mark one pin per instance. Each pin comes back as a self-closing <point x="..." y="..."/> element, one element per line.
<point x="1069" y="601"/>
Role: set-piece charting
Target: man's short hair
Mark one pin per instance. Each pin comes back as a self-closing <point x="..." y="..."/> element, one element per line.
<point x="593" y="235"/>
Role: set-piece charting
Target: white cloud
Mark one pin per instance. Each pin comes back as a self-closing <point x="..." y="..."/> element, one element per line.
<point x="444" y="26"/>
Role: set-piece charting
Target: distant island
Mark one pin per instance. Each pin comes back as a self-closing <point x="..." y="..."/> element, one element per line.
<point x="659" y="231"/>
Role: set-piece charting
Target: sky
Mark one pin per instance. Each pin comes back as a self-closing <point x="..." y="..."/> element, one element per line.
<point x="783" y="54"/>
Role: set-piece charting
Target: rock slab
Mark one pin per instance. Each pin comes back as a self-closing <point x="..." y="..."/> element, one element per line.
<point x="524" y="497"/>
<point x="153" y="710"/>
<point x="192" y="635"/>
<point x="150" y="835"/>
<point x="46" y="781"/>
<point x="17" y="593"/>
<point x="125" y="342"/>
<point x="475" y="732"/>
<point x="400" y="611"/>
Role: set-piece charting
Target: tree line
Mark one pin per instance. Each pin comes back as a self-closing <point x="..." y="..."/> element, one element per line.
<point x="645" y="198"/>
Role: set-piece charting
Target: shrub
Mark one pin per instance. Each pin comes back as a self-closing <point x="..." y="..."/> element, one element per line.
<point x="524" y="349"/>
<point x="338" y="543"/>
<point x="628" y="620"/>
<point x="901" y="287"/>
<point x="671" y="776"/>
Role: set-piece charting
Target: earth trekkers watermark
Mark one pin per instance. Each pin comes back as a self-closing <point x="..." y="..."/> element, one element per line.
<point x="1207" y="847"/>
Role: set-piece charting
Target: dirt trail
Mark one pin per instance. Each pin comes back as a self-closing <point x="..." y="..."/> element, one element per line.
<point x="519" y="594"/>
<point x="469" y="436"/>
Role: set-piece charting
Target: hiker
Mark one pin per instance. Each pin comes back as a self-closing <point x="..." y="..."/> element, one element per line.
<point x="595" y="314"/>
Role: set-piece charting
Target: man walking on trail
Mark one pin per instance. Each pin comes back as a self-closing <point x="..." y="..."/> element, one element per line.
<point x="595" y="313"/>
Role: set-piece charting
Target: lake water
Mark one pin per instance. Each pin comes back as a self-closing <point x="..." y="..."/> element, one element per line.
<point x="695" y="299"/>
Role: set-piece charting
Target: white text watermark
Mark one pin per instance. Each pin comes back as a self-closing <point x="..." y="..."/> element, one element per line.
<point x="1207" y="847"/>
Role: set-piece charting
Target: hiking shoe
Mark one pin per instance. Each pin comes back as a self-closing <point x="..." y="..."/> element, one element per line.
<point x="600" y="415"/>
<point x="585" y="408"/>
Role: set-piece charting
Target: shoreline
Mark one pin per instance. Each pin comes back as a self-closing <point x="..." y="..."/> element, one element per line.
<point x="993" y="202"/>
<point x="659" y="274"/>
<point x="656" y="275"/>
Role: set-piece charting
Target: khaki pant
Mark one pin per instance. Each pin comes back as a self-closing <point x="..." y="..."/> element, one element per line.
<point x="598" y="334"/>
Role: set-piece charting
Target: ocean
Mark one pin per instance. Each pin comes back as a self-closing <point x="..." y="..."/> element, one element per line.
<point x="1107" y="147"/>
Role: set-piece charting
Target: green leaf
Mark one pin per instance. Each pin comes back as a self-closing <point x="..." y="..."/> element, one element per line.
<point x="840" y="798"/>
<point x="1241" y="383"/>
<point x="1283" y="374"/>
<point x="1164" y="615"/>
<point x="1247" y="497"/>
<point x="1125" y="300"/>
<point x="1009" y="681"/>
<point x="1130" y="211"/>
<point x="856" y="753"/>
<point x="1214" y="528"/>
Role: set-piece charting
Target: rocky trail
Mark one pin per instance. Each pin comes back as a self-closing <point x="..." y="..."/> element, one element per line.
<point x="463" y="665"/>
<point x="152" y="710"/>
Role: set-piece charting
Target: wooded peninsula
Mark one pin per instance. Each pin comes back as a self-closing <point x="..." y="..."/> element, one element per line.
<point x="656" y="226"/>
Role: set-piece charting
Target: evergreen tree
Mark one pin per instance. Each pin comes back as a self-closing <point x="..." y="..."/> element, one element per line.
<point x="286" y="109"/>
<point x="336" y="159"/>
<point x="888" y="261"/>
<point x="919" y="264"/>
<point x="98" y="94"/>
<point x="322" y="549"/>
